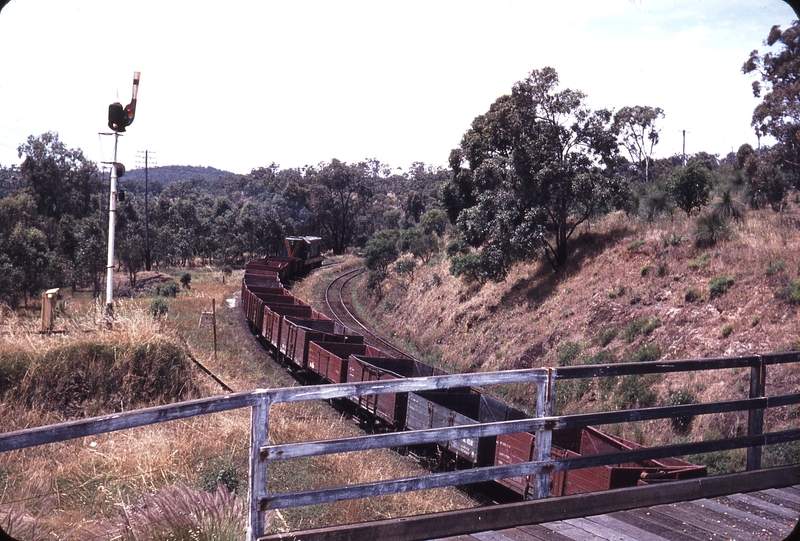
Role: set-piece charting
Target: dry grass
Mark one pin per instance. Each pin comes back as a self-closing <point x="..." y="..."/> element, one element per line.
<point x="522" y="322"/>
<point x="90" y="484"/>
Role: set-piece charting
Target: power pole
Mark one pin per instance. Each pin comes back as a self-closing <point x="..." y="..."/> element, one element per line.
<point x="146" y="211"/>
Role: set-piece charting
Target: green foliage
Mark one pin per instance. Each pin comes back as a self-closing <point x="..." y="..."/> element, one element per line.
<point x="616" y="292"/>
<point x="728" y="206"/>
<point x="646" y="353"/>
<point x="709" y="228"/>
<point x="775" y="267"/>
<point x="635" y="391"/>
<point x="682" y="424"/>
<point x="168" y="289"/>
<point x="381" y="251"/>
<point x="726" y="330"/>
<point x="699" y="262"/>
<point x="641" y="326"/>
<point x="436" y="279"/>
<point x="781" y="454"/>
<point x="405" y="267"/>
<point x="755" y="320"/>
<point x="635" y="244"/>
<point x="790" y="292"/>
<point x="637" y="131"/>
<point x="671" y="239"/>
<point x="434" y="222"/>
<point x="645" y="270"/>
<point x="691" y="295"/>
<point x="606" y="336"/>
<point x="567" y="352"/>
<point x="374" y="283"/>
<point x="604" y="356"/>
<point x="159" y="308"/>
<point x="526" y="174"/>
<point x="186" y="278"/>
<point x="690" y="186"/>
<point x="719" y="285"/>
<point x="469" y="266"/>
<point x="457" y="246"/>
<point x="663" y="269"/>
<point x="220" y="471"/>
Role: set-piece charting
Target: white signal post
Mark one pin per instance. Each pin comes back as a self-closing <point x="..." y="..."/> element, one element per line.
<point x="112" y="219"/>
<point x="118" y="119"/>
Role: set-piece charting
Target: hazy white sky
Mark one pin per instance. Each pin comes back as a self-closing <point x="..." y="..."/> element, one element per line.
<point x="240" y="84"/>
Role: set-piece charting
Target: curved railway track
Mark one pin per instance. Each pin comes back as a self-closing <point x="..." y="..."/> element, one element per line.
<point x="338" y="307"/>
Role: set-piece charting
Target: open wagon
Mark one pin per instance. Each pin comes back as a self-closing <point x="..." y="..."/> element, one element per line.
<point x="515" y="448"/>
<point x="434" y="409"/>
<point x="297" y="333"/>
<point x="329" y="359"/>
<point x="389" y="407"/>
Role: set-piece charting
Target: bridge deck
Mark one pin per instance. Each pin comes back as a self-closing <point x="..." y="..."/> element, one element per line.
<point x="767" y="514"/>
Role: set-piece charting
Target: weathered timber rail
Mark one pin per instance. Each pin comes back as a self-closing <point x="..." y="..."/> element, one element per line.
<point x="262" y="453"/>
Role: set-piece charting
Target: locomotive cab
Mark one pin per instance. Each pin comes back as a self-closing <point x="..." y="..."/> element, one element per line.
<point x="307" y="249"/>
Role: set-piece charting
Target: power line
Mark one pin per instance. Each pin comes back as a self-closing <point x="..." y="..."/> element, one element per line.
<point x="146" y="154"/>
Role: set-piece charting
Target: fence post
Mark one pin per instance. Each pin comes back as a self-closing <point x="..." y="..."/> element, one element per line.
<point x="755" y="418"/>
<point x="257" y="488"/>
<point x="544" y="436"/>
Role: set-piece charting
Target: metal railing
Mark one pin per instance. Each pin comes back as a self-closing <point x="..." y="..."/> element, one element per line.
<point x="262" y="453"/>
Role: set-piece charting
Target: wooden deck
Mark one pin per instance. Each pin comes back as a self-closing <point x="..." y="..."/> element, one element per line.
<point x="768" y="514"/>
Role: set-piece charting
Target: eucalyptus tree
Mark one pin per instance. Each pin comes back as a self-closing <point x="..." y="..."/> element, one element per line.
<point x="638" y="134"/>
<point x="529" y="171"/>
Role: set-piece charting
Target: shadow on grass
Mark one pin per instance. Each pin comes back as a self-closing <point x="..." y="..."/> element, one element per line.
<point x="586" y="246"/>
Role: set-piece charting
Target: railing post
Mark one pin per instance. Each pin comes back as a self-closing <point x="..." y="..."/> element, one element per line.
<point x="755" y="418"/>
<point x="544" y="436"/>
<point x="257" y="489"/>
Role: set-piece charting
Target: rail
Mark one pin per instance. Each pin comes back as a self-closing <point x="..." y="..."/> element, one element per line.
<point x="262" y="453"/>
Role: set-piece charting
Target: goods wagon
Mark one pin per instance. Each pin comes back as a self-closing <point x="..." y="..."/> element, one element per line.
<point x="273" y="319"/>
<point x="296" y="333"/>
<point x="329" y="359"/>
<point x="434" y="409"/>
<point x="390" y="408"/>
<point x="515" y="448"/>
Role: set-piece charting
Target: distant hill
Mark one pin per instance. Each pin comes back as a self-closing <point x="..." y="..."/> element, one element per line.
<point x="168" y="174"/>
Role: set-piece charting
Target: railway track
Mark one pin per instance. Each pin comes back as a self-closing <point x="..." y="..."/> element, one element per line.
<point x="339" y="307"/>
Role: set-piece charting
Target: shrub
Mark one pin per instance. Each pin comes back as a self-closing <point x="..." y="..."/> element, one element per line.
<point x="641" y="326"/>
<point x="567" y="352"/>
<point x="185" y="279"/>
<point x="644" y="271"/>
<point x="671" y="239"/>
<point x="169" y="289"/>
<point x="603" y="356"/>
<point x="663" y="269"/>
<point x="691" y="295"/>
<point x="616" y="292"/>
<point x="709" y="228"/>
<point x="635" y="391"/>
<point x="436" y="279"/>
<point x="606" y="336"/>
<point x="159" y="308"/>
<point x="457" y="246"/>
<point x="374" y="284"/>
<point x="790" y="292"/>
<point x="699" y="262"/>
<point x="775" y="267"/>
<point x="647" y="353"/>
<point x="469" y="266"/>
<point x="635" y="244"/>
<point x="222" y="472"/>
<point x="755" y="320"/>
<point x="682" y="424"/>
<point x="726" y="330"/>
<point x="406" y="267"/>
<point x="719" y="285"/>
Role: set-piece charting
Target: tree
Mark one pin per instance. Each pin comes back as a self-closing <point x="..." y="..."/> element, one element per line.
<point x="381" y="251"/>
<point x="529" y="171"/>
<point x="637" y="132"/>
<point x="778" y="114"/>
<point x="690" y="186"/>
<point x="341" y="196"/>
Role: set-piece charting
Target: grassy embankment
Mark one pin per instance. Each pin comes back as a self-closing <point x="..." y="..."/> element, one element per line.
<point x="632" y="290"/>
<point x="144" y="483"/>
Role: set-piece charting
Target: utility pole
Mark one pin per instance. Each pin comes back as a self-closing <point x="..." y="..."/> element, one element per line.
<point x="118" y="119"/>
<point x="146" y="212"/>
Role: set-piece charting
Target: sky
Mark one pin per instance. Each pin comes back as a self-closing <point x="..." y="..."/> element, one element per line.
<point x="241" y="84"/>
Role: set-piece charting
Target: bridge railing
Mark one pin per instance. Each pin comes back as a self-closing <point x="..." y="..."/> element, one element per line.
<point x="545" y="379"/>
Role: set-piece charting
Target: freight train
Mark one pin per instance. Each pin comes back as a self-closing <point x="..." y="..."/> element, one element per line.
<point x="326" y="351"/>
